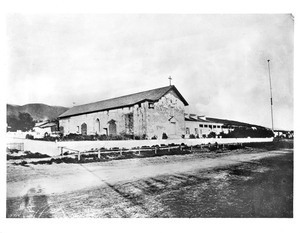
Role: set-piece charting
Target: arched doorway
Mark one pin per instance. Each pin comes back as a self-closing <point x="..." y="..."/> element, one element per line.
<point x="84" y="129"/>
<point x="112" y="128"/>
<point x="173" y="127"/>
<point x="97" y="125"/>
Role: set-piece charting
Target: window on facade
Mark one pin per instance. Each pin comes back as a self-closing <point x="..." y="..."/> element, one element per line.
<point x="151" y="105"/>
<point x="187" y="131"/>
<point x="210" y="126"/>
<point x="201" y="126"/>
<point x="129" y="123"/>
<point x="205" y="126"/>
<point x="98" y="125"/>
<point x="215" y="126"/>
<point x="219" y="126"/>
<point x="84" y="129"/>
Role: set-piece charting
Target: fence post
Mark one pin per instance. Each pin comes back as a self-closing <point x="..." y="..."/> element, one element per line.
<point x="139" y="150"/>
<point x="99" y="154"/>
<point x="180" y="147"/>
<point x="61" y="151"/>
<point x="169" y="149"/>
<point x="121" y="151"/>
<point x="155" y="150"/>
<point x="78" y="155"/>
<point x="191" y="148"/>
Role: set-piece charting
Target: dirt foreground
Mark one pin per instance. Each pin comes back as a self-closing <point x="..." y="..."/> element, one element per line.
<point x="62" y="178"/>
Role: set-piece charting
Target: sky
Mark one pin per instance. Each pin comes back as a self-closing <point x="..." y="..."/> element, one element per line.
<point x="217" y="62"/>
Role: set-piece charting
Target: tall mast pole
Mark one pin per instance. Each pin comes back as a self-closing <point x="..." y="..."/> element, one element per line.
<point x="271" y="95"/>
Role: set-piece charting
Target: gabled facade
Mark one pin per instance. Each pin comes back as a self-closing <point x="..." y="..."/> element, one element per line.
<point x="146" y="114"/>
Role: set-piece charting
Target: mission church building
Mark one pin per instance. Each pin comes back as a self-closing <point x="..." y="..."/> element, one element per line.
<point x="149" y="113"/>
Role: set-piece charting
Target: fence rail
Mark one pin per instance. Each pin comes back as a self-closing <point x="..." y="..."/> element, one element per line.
<point x="122" y="150"/>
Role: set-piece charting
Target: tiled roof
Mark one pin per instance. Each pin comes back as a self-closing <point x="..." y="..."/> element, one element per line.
<point x="197" y="120"/>
<point x="232" y="123"/>
<point x="123" y="101"/>
<point x="39" y="124"/>
<point x="50" y="124"/>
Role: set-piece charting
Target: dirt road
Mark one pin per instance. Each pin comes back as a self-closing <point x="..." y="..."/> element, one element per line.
<point x="240" y="183"/>
<point x="60" y="178"/>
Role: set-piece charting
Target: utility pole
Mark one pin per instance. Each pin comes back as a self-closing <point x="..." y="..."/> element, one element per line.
<point x="271" y="95"/>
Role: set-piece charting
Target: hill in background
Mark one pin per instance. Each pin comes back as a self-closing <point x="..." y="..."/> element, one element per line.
<point x="37" y="111"/>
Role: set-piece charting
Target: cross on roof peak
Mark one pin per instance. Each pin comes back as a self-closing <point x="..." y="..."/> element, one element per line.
<point x="170" y="80"/>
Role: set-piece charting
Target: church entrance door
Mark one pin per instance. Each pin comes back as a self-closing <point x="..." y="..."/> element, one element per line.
<point x="112" y="129"/>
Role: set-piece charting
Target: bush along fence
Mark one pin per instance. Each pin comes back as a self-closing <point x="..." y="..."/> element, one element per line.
<point x="129" y="153"/>
<point x="54" y="148"/>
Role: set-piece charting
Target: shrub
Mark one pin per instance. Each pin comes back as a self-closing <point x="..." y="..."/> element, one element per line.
<point x="244" y="132"/>
<point x="164" y="136"/>
<point x="154" y="137"/>
<point x="192" y="136"/>
<point x="212" y="135"/>
<point x="13" y="150"/>
<point x="29" y="136"/>
<point x="137" y="137"/>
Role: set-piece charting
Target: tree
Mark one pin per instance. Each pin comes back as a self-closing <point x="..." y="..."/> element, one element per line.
<point x="23" y="122"/>
<point x="12" y="122"/>
<point x="26" y="121"/>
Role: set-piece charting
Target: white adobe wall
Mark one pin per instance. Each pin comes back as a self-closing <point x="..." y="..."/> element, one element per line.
<point x="71" y="124"/>
<point x="202" y="130"/>
<point x="158" y="119"/>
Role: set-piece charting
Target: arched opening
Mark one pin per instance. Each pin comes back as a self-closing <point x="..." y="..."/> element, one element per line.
<point x="61" y="130"/>
<point x="173" y="126"/>
<point x="84" y="129"/>
<point x="112" y="128"/>
<point x="97" y="125"/>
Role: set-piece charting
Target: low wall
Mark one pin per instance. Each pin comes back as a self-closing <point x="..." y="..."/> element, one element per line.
<point x="53" y="148"/>
<point x="43" y="147"/>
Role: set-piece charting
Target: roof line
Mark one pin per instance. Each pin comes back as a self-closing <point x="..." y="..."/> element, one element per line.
<point x="120" y="96"/>
<point x="178" y="93"/>
<point x="102" y="110"/>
